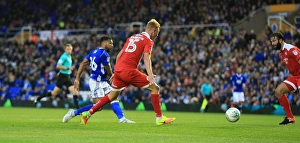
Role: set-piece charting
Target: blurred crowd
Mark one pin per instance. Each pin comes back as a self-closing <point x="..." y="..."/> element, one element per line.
<point x="183" y="59"/>
<point x="82" y="14"/>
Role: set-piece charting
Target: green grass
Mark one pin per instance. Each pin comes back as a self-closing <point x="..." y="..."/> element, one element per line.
<point x="44" y="125"/>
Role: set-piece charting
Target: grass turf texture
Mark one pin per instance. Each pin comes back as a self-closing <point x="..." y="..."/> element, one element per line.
<point x="44" y="125"/>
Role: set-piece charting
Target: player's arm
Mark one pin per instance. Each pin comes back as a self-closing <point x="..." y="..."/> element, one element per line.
<point x="244" y="84"/>
<point x="231" y="83"/>
<point x="59" y="65"/>
<point x="108" y="70"/>
<point x="119" y="54"/>
<point x="82" y="65"/>
<point x="148" y="65"/>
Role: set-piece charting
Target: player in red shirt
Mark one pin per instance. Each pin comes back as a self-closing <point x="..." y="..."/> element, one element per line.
<point x="290" y="56"/>
<point x="126" y="73"/>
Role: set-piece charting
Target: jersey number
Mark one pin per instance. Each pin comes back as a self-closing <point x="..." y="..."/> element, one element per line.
<point x="131" y="47"/>
<point x="93" y="65"/>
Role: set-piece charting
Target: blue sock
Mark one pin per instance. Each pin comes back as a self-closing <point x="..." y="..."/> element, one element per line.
<point x="82" y="109"/>
<point x="117" y="109"/>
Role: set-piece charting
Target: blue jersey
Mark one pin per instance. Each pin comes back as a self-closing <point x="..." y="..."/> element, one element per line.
<point x="98" y="58"/>
<point x="238" y="81"/>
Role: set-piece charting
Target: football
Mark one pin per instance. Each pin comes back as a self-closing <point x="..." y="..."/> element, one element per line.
<point x="232" y="114"/>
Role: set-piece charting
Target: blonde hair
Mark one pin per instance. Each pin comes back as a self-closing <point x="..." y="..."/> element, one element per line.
<point x="67" y="45"/>
<point x="153" y="24"/>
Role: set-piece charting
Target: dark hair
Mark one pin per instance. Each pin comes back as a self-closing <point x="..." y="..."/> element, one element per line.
<point x="278" y="35"/>
<point x="105" y="38"/>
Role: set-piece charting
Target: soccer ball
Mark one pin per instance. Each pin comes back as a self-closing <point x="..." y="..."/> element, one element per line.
<point x="232" y="114"/>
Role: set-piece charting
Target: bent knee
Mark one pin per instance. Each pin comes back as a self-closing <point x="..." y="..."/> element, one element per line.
<point x="279" y="91"/>
<point x="154" y="88"/>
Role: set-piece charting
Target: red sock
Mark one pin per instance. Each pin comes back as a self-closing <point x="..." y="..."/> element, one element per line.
<point x="284" y="102"/>
<point x="99" y="105"/>
<point x="156" y="104"/>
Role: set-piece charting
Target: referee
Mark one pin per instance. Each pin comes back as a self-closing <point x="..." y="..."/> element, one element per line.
<point x="65" y="68"/>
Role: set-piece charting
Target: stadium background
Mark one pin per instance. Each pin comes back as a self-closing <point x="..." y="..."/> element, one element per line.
<point x="199" y="40"/>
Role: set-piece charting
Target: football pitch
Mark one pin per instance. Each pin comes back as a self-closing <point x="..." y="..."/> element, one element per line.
<point x="44" y="125"/>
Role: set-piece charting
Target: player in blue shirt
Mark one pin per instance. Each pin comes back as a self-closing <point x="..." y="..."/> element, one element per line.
<point x="101" y="73"/>
<point x="238" y="83"/>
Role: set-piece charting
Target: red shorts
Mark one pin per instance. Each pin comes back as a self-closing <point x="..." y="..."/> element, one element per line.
<point x="131" y="77"/>
<point x="292" y="82"/>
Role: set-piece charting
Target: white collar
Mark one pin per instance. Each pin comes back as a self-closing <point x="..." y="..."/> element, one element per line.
<point x="283" y="46"/>
<point x="146" y="34"/>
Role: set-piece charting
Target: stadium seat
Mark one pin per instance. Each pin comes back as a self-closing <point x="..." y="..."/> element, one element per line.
<point x="14" y="92"/>
<point x="50" y="87"/>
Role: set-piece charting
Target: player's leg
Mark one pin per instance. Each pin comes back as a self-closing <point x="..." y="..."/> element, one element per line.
<point x="103" y="101"/>
<point x="72" y="113"/>
<point x="101" y="89"/>
<point x="75" y="95"/>
<point x="239" y="100"/>
<point x="115" y="104"/>
<point x="119" y="85"/>
<point x="54" y="92"/>
<point x="140" y="80"/>
<point x="61" y="79"/>
<point x="235" y="99"/>
<point x="207" y="102"/>
<point x="155" y="100"/>
<point x="71" y="88"/>
<point x="98" y="106"/>
<point x="288" y="85"/>
<point x="95" y="95"/>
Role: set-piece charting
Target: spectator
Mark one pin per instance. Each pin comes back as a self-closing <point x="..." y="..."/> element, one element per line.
<point x="187" y="53"/>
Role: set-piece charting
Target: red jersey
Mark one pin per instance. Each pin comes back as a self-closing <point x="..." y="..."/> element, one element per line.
<point x="290" y="55"/>
<point x="133" y="51"/>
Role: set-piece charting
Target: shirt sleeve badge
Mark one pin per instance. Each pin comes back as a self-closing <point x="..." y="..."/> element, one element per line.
<point x="295" y="52"/>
